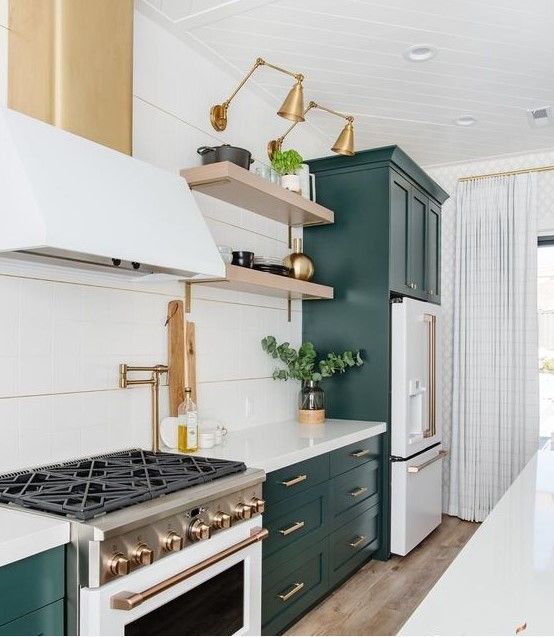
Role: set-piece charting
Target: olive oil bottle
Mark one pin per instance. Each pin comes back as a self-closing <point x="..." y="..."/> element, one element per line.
<point x="187" y="426"/>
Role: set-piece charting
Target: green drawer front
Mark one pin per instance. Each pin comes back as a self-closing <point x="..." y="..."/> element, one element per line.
<point x="298" y="477"/>
<point x="353" y="543"/>
<point x="305" y="514"/>
<point x="305" y="581"/>
<point x="31" y="583"/>
<point x="353" y="488"/>
<point x="354" y="455"/>
<point x="44" y="621"/>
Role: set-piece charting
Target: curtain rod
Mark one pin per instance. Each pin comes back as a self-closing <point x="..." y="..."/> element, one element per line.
<point x="521" y="171"/>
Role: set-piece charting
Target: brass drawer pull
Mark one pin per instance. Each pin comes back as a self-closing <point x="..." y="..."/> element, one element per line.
<point x="357" y="542"/>
<point x="360" y="454"/>
<point x="296" y="588"/>
<point x="293" y="481"/>
<point x="358" y="492"/>
<point x="291" y="529"/>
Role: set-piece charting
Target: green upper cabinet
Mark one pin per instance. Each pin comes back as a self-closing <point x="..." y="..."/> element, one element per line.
<point x="432" y="252"/>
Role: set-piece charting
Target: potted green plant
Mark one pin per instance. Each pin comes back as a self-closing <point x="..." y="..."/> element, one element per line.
<point x="303" y="365"/>
<point x="286" y="163"/>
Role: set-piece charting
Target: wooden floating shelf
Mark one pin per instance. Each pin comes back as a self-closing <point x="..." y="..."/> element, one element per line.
<point x="256" y="282"/>
<point x="235" y="185"/>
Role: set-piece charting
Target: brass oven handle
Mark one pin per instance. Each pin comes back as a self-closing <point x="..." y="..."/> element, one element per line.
<point x="416" y="468"/>
<point x="127" y="601"/>
<point x="360" y="454"/>
<point x="291" y="529"/>
<point x="293" y="481"/>
<point x="358" y="492"/>
<point x="297" y="587"/>
<point x="357" y="542"/>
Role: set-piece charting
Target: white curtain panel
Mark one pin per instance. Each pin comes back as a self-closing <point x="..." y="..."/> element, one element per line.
<point x="495" y="416"/>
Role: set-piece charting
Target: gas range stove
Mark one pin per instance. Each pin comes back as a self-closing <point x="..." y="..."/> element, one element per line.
<point x="136" y="510"/>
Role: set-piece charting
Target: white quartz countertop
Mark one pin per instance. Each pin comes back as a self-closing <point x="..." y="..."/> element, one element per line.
<point x="503" y="579"/>
<point x="280" y="444"/>
<point x="23" y="534"/>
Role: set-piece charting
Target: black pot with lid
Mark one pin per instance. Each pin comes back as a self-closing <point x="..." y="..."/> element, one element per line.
<point x="225" y="152"/>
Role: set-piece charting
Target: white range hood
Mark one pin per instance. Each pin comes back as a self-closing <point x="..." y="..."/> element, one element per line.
<point x="65" y="198"/>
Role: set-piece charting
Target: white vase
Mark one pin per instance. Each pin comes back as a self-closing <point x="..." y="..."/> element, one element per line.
<point x="291" y="182"/>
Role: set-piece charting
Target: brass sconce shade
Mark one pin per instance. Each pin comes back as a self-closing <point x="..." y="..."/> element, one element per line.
<point x="345" y="141"/>
<point x="292" y="108"/>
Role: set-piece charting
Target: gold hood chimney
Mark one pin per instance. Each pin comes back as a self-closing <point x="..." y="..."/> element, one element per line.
<point x="70" y="63"/>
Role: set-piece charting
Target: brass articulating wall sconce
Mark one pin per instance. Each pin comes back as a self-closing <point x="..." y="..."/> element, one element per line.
<point x="292" y="108"/>
<point x="154" y="382"/>
<point x="345" y="141"/>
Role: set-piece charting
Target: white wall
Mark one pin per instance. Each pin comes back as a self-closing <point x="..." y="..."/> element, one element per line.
<point x="3" y="51"/>
<point x="62" y="336"/>
<point x="447" y="176"/>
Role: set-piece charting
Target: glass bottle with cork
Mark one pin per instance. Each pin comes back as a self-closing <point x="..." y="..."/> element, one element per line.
<point x="187" y="424"/>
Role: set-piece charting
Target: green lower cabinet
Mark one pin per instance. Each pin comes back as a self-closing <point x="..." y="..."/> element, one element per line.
<point x="44" y="621"/>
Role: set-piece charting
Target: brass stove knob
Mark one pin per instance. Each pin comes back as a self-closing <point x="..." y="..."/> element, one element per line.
<point x="243" y="511"/>
<point x="199" y="530"/>
<point x="143" y="555"/>
<point x="119" y="564"/>
<point x="222" y="520"/>
<point x="257" y="504"/>
<point x="173" y="542"/>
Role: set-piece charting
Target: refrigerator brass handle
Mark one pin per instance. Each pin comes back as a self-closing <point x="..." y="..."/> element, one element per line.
<point x="416" y="468"/>
<point x="431" y="429"/>
<point x="296" y="588"/>
<point x="127" y="601"/>
<point x="358" y="492"/>
<point x="357" y="541"/>
<point x="293" y="481"/>
<point x="360" y="454"/>
<point x="291" y="529"/>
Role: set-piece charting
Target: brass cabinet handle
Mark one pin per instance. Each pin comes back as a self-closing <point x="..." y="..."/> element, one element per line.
<point x="357" y="542"/>
<point x="128" y="601"/>
<point x="296" y="588"/>
<point x="291" y="529"/>
<point x="417" y="468"/>
<point x="360" y="454"/>
<point x="358" y="492"/>
<point x="293" y="481"/>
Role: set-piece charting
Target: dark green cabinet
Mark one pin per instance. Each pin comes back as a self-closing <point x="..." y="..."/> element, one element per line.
<point x="432" y="253"/>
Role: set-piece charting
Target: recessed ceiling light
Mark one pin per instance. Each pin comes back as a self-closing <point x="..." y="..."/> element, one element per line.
<point x="465" y="120"/>
<point x="420" y="53"/>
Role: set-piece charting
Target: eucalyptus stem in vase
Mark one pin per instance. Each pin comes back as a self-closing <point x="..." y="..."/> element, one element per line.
<point x="304" y="365"/>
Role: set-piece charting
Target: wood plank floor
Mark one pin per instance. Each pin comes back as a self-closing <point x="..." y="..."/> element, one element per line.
<point x="381" y="596"/>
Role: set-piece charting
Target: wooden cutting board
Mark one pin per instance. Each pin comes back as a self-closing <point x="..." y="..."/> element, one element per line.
<point x="181" y="356"/>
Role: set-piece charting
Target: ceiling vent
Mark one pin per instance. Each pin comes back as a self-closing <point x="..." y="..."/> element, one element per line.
<point x="539" y="117"/>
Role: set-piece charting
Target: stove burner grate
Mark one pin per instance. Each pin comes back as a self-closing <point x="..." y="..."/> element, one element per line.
<point x="85" y="488"/>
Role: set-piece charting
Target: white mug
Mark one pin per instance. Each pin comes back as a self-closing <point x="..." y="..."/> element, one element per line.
<point x="206" y="440"/>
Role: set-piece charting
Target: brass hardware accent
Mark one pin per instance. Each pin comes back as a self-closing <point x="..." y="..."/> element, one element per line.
<point x="292" y="108"/>
<point x="361" y="453"/>
<point x="507" y="173"/>
<point x="300" y="264"/>
<point x="521" y="628"/>
<point x="221" y="520"/>
<point x="128" y="601"/>
<point x="143" y="555"/>
<point x="431" y="429"/>
<point x="173" y="542"/>
<point x="119" y="564"/>
<point x="358" y="492"/>
<point x="257" y="504"/>
<point x="291" y="529"/>
<point x="199" y="530"/>
<point x="293" y="481"/>
<point x="417" y="468"/>
<point x="357" y="542"/>
<point x="243" y="511"/>
<point x="296" y="588"/>
<point x="345" y="141"/>
<point x="154" y="382"/>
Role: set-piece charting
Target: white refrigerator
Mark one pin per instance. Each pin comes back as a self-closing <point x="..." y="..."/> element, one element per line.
<point x="416" y="449"/>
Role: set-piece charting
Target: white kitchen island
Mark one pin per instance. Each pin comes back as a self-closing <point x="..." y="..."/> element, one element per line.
<point x="502" y="582"/>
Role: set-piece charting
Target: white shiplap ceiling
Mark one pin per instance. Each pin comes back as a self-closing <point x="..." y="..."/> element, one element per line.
<point x="495" y="60"/>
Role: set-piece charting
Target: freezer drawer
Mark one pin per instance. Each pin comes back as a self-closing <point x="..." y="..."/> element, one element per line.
<point x="416" y="499"/>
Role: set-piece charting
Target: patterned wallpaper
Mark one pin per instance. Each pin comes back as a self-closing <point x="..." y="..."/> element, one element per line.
<point x="447" y="176"/>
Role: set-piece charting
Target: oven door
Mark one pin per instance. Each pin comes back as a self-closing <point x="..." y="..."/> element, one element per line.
<point x="213" y="588"/>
